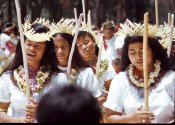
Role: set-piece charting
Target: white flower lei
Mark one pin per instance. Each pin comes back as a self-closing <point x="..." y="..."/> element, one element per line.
<point x="151" y="77"/>
<point x="21" y="81"/>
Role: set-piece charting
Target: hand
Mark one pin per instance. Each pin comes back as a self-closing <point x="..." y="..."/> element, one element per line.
<point x="31" y="109"/>
<point x="142" y="116"/>
<point x="22" y="120"/>
<point x="101" y="100"/>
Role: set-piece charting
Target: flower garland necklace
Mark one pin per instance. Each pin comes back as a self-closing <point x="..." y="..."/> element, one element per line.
<point x="103" y="67"/>
<point x="36" y="86"/>
<point x="151" y="77"/>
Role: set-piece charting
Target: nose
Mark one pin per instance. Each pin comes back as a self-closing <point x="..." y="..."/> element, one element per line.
<point x="83" y="46"/>
<point x="139" y="56"/>
<point x="60" y="50"/>
<point x="31" y="48"/>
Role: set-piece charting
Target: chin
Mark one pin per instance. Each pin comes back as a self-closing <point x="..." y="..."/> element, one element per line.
<point x="140" y="68"/>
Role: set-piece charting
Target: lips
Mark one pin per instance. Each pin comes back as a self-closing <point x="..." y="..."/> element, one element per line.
<point x="60" y="56"/>
<point x="85" y="52"/>
<point x="31" y="55"/>
<point x="139" y="62"/>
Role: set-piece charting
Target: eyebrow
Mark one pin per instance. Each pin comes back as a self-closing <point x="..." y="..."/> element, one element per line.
<point x="134" y="50"/>
<point x="40" y="44"/>
<point x="62" y="44"/>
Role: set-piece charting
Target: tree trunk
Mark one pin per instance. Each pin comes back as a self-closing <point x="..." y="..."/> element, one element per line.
<point x="9" y="10"/>
<point x="23" y="10"/>
<point x="55" y="11"/>
<point x="100" y="12"/>
<point x="36" y="9"/>
<point x="121" y="11"/>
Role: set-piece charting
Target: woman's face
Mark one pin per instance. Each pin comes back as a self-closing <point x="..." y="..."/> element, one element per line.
<point x="34" y="52"/>
<point x="86" y="48"/>
<point x="62" y="49"/>
<point x="135" y="53"/>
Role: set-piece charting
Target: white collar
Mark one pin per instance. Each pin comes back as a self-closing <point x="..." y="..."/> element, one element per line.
<point x="62" y="68"/>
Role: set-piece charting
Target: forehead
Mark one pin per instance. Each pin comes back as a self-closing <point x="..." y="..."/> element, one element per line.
<point x="35" y="43"/>
<point x="84" y="38"/>
<point x="58" y="39"/>
<point x="136" y="45"/>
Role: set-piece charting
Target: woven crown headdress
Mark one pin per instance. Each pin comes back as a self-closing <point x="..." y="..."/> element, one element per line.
<point x="164" y="33"/>
<point x="132" y="28"/>
<point x="64" y="26"/>
<point x="29" y="32"/>
<point x="89" y="28"/>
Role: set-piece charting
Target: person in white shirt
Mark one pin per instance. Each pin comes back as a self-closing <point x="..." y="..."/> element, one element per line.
<point x="81" y="73"/>
<point x="111" y="44"/>
<point x="43" y="70"/>
<point x="125" y="101"/>
<point x="89" y="53"/>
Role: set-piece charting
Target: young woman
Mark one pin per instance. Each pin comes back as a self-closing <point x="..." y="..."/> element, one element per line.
<point x="81" y="73"/>
<point x="89" y="51"/>
<point x="125" y="101"/>
<point x="42" y="65"/>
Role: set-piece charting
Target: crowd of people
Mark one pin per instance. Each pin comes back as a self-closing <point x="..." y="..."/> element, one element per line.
<point x="114" y="94"/>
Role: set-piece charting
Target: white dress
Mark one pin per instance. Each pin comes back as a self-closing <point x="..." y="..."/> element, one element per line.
<point x="11" y="93"/>
<point x="107" y="75"/>
<point x="86" y="79"/>
<point x="125" y="98"/>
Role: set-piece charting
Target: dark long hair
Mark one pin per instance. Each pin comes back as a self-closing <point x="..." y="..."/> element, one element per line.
<point x="77" y="61"/>
<point x="49" y="58"/>
<point x="158" y="51"/>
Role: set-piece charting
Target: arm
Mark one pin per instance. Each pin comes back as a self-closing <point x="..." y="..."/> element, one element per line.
<point x="101" y="100"/>
<point x="5" y="118"/>
<point x="107" y="84"/>
<point x="5" y="102"/>
<point x="136" y="117"/>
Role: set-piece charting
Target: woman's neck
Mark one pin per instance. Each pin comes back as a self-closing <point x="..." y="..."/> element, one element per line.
<point x="63" y="64"/>
<point x="140" y="73"/>
<point x="93" y="60"/>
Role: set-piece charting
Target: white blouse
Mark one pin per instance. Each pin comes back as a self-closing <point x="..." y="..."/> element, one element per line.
<point x="86" y="79"/>
<point x="11" y="93"/>
<point x="107" y="75"/>
<point x="125" y="98"/>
